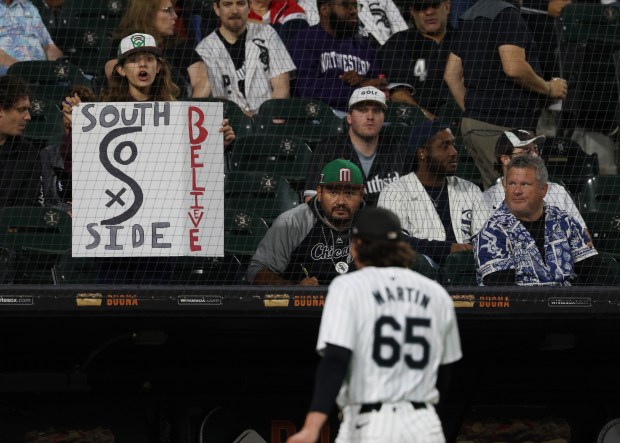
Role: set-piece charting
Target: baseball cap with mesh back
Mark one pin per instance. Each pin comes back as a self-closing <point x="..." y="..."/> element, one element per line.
<point x="137" y="43"/>
<point x="341" y="172"/>
<point x="377" y="224"/>
<point x="515" y="138"/>
<point x="367" y="94"/>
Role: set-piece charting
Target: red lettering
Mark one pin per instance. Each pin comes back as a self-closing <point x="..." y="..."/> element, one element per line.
<point x="195" y="186"/>
<point x="194" y="157"/>
<point x="196" y="205"/>
<point x="202" y="132"/>
<point x="193" y="240"/>
<point x="195" y="221"/>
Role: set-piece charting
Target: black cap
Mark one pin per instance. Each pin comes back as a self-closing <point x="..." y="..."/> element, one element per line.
<point x="424" y="132"/>
<point x="377" y="224"/>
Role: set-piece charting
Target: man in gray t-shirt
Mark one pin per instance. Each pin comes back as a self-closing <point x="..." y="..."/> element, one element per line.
<point x="309" y="245"/>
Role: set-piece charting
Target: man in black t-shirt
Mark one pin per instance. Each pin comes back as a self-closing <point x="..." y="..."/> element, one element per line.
<point x="494" y="75"/>
<point x="414" y="60"/>
<point x="20" y="174"/>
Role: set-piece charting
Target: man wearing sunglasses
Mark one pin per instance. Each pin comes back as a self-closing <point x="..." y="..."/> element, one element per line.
<point x="515" y="143"/>
<point x="414" y="60"/>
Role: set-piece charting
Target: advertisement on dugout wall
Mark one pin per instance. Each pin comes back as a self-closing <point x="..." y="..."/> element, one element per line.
<point x="148" y="179"/>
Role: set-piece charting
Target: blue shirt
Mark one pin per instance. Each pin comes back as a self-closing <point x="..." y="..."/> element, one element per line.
<point x="504" y="244"/>
<point x="22" y="33"/>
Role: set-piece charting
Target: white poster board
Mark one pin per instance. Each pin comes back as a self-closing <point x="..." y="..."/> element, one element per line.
<point x="148" y="179"/>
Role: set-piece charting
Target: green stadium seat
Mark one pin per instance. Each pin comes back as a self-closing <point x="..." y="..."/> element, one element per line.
<point x="277" y="155"/>
<point x="46" y="119"/>
<point x="589" y="22"/>
<point x="206" y="270"/>
<point x="601" y="194"/>
<point x="102" y="9"/>
<point x="604" y="228"/>
<point x="424" y="267"/>
<point x="265" y="196"/>
<point x="310" y="120"/>
<point x="243" y="231"/>
<point x="402" y="114"/>
<point x="38" y="237"/>
<point x="567" y="162"/>
<point x="451" y="113"/>
<point x="241" y="123"/>
<point x="459" y="269"/>
<point x="49" y="73"/>
<point x="466" y="167"/>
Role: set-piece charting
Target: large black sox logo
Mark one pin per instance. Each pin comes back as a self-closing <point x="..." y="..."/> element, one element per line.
<point x="117" y="173"/>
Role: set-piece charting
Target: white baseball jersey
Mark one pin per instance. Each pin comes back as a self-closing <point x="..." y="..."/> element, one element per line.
<point x="266" y="57"/>
<point x="381" y="18"/>
<point x="408" y="199"/>
<point x="400" y="326"/>
<point x="556" y="196"/>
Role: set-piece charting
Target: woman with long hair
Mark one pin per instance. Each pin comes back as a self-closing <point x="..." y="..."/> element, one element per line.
<point x="157" y="18"/>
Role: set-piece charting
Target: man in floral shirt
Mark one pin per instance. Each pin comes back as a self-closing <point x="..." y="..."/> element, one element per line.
<point x="529" y="244"/>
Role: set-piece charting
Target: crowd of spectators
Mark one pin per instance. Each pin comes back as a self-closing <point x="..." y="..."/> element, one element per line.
<point x="357" y="57"/>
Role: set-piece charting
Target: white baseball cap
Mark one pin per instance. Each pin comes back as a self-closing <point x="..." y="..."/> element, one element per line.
<point x="367" y="94"/>
<point x="137" y="43"/>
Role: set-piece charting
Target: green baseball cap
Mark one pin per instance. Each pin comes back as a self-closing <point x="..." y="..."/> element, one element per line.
<point x="341" y="172"/>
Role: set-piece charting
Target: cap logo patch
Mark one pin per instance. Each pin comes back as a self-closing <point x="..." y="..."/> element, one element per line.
<point x="138" y="41"/>
<point x="345" y="175"/>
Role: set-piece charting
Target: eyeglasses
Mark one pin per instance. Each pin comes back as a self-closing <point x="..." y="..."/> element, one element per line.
<point x="526" y="151"/>
<point x="348" y="5"/>
<point x="169" y="10"/>
<point x="418" y="7"/>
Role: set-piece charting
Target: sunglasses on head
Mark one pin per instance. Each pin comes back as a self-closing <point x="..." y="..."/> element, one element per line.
<point x="424" y="6"/>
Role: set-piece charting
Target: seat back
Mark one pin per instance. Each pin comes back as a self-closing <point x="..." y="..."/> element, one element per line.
<point x="588" y="22"/>
<point x="604" y="228"/>
<point x="601" y="194"/>
<point x="423" y="266"/>
<point x="403" y="114"/>
<point x="308" y="119"/>
<point x="459" y="269"/>
<point x="46" y="119"/>
<point x="243" y="231"/>
<point x="38" y="237"/>
<point x="206" y="270"/>
<point x="569" y="163"/>
<point x="263" y="195"/>
<point x="284" y="156"/>
<point x="42" y="72"/>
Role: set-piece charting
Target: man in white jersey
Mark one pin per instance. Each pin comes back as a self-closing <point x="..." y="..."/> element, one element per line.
<point x="385" y="332"/>
<point x="247" y="62"/>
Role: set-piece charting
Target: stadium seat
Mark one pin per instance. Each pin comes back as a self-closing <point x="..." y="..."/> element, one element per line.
<point x="611" y="260"/>
<point x="466" y="167"/>
<point x="604" y="228"/>
<point x="590" y="22"/>
<point x="38" y="237"/>
<point x="46" y="119"/>
<point x="243" y="231"/>
<point x="423" y="266"/>
<point x="103" y="9"/>
<point x="567" y="162"/>
<point x="601" y="194"/>
<point x="459" y="269"/>
<point x="49" y="73"/>
<point x="76" y="270"/>
<point x="451" y="113"/>
<point x="206" y="270"/>
<point x="265" y="196"/>
<point x="277" y="155"/>
<point x="87" y="42"/>
<point x="310" y="120"/>
<point x="402" y="114"/>
<point x="241" y="123"/>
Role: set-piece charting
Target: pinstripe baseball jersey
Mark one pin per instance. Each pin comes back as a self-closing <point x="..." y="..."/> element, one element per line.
<point x="266" y="57"/>
<point x="400" y="327"/>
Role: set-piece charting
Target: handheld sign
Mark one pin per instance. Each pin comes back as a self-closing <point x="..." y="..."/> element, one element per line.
<point x="148" y="179"/>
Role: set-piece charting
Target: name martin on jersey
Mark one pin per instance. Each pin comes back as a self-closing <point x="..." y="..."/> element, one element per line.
<point x="399" y="293"/>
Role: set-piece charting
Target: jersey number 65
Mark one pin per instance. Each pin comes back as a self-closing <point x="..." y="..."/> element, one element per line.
<point x="394" y="347"/>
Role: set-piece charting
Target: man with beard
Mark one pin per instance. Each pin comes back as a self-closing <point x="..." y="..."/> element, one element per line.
<point x="439" y="212"/>
<point x="332" y="61"/>
<point x="382" y="159"/>
<point x="414" y="60"/>
<point x="494" y="74"/>
<point x="309" y="245"/>
<point x="246" y="62"/>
